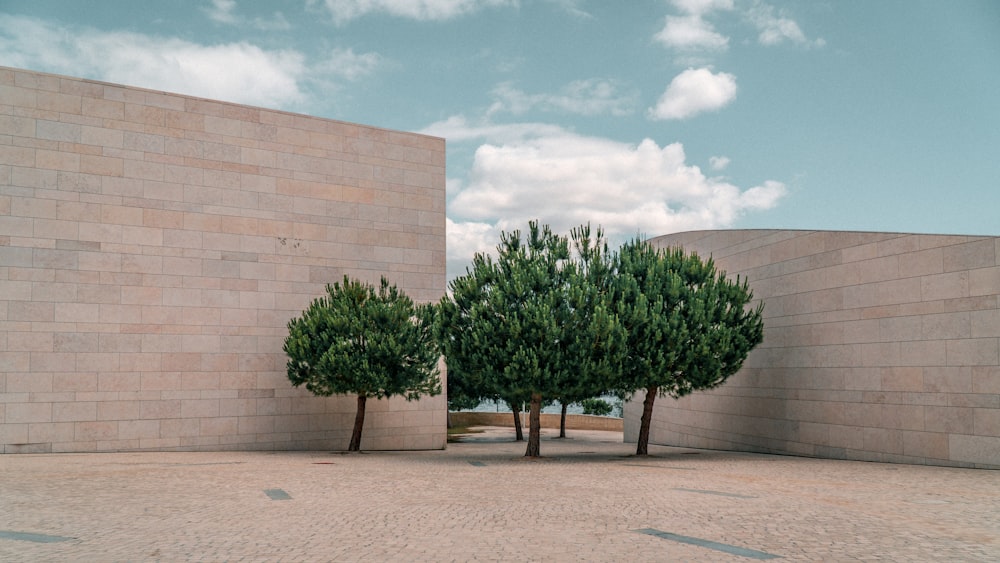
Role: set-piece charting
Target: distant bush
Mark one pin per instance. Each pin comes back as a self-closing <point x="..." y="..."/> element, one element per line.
<point x="600" y="407"/>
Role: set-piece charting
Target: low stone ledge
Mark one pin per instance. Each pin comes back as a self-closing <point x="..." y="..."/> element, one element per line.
<point x="573" y="421"/>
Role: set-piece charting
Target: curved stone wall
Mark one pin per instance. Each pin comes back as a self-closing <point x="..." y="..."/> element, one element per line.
<point x="877" y="346"/>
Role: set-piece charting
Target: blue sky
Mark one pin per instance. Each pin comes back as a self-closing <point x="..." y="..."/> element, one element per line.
<point x="646" y="116"/>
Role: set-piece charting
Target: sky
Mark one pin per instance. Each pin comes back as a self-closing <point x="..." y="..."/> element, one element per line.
<point x="643" y="117"/>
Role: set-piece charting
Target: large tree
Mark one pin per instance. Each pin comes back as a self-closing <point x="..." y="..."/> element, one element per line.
<point x="689" y="327"/>
<point x="365" y="341"/>
<point x="528" y="321"/>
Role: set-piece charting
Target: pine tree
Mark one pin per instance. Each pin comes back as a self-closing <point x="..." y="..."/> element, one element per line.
<point x="529" y="323"/>
<point x="689" y="327"/>
<point x="368" y="342"/>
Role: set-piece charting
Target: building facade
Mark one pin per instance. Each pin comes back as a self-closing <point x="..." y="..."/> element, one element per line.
<point x="877" y="346"/>
<point x="153" y="247"/>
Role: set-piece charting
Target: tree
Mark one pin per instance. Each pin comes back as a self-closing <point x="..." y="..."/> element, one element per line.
<point x="530" y="321"/>
<point x="465" y="392"/>
<point x="596" y="406"/>
<point x="588" y="297"/>
<point x="372" y="343"/>
<point x="689" y="327"/>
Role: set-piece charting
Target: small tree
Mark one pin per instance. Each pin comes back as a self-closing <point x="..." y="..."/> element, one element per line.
<point x="689" y="327"/>
<point x="368" y="342"/>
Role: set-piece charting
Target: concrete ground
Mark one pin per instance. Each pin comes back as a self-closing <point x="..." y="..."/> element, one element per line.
<point x="586" y="500"/>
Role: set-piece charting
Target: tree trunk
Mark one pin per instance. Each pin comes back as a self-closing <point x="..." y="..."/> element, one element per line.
<point x="534" y="426"/>
<point x="642" y="446"/>
<point x="359" y="423"/>
<point x="518" y="433"/>
<point x="562" y="421"/>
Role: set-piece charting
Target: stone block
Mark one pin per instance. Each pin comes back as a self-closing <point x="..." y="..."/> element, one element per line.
<point x="902" y="379"/>
<point x="199" y="408"/>
<point x="138" y="429"/>
<point x="926" y="445"/>
<point x="179" y="427"/>
<point x="973" y="352"/>
<point x="118" y="410"/>
<point x="48" y="432"/>
<point x="76" y="411"/>
<point x="974" y="449"/>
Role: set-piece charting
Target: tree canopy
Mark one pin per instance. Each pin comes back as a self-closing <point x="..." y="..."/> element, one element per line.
<point x="689" y="327"/>
<point x="364" y="341"/>
<point x="532" y="323"/>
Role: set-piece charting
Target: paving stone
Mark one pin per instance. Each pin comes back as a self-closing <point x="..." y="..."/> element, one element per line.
<point x="482" y="501"/>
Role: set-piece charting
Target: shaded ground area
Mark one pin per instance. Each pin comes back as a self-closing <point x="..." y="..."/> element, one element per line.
<point x="588" y="499"/>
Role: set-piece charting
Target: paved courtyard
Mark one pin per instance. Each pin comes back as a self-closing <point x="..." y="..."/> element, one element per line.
<point x="587" y="500"/>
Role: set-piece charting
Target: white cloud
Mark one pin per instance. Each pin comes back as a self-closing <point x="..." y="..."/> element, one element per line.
<point x="698" y="7"/>
<point x="466" y="239"/>
<point x="695" y="91"/>
<point x="346" y="10"/>
<point x="775" y="27"/>
<point x="457" y="129"/>
<point x="224" y="12"/>
<point x="585" y="97"/>
<point x="236" y="72"/>
<point x="529" y="171"/>
<point x="691" y="33"/>
<point x="695" y="38"/>
<point x="718" y="162"/>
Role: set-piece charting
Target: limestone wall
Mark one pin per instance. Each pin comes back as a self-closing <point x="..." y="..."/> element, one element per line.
<point x="153" y="247"/>
<point x="547" y="420"/>
<point x="877" y="346"/>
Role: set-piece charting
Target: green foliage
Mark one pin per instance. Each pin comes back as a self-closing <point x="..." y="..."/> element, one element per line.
<point x="542" y="323"/>
<point x="365" y="341"/>
<point x="534" y="323"/>
<point x="689" y="327"/>
<point x="598" y="407"/>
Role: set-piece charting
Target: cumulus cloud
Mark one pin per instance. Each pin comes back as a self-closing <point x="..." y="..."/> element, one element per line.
<point x="718" y="162"/>
<point x="691" y="33"/>
<point x="695" y="40"/>
<point x="695" y="91"/>
<point x="466" y="239"/>
<point x="345" y="10"/>
<point x="699" y="7"/>
<point x="238" y="72"/>
<point x="584" y="97"/>
<point x="775" y="27"/>
<point x="525" y="171"/>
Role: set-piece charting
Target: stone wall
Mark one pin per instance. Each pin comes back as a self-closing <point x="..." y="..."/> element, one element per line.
<point x="153" y="247"/>
<point x="877" y="346"/>
<point x="547" y="420"/>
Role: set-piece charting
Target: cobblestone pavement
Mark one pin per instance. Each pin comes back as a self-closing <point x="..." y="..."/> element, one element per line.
<point x="587" y="500"/>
